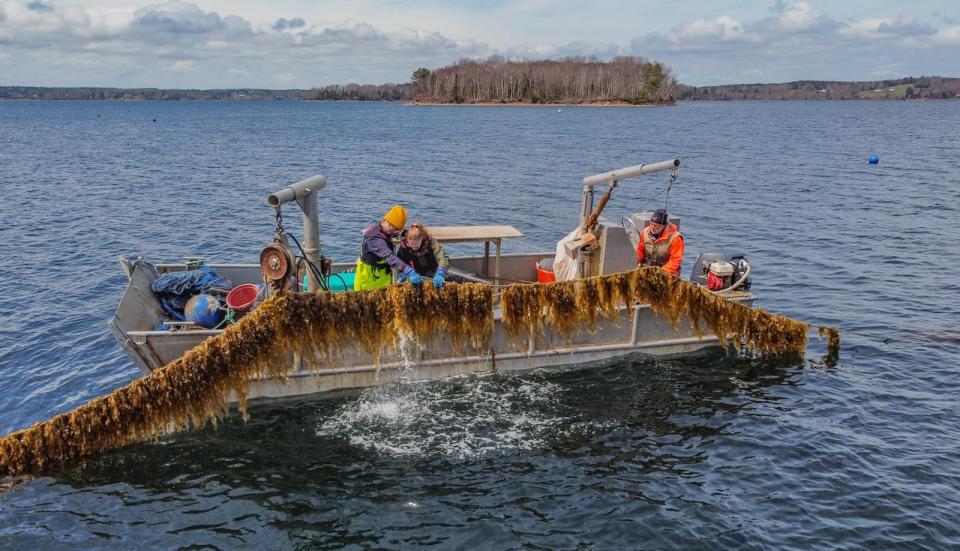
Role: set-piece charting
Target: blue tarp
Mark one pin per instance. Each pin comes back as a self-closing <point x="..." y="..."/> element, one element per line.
<point x="175" y="288"/>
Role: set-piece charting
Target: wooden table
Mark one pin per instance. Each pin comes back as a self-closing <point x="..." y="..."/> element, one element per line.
<point x="477" y="234"/>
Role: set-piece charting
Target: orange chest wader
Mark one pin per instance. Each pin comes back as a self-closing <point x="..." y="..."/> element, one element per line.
<point x="657" y="253"/>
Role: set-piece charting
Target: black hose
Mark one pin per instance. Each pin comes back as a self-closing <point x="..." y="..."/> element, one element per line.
<point x="313" y="269"/>
<point x="342" y="281"/>
<point x="317" y="273"/>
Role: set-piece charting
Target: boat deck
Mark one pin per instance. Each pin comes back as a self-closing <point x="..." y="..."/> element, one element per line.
<point x="637" y="330"/>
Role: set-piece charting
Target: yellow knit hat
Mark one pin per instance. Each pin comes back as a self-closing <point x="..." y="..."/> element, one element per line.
<point x="397" y="217"/>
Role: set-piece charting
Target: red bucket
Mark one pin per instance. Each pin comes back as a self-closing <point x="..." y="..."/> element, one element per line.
<point x="243" y="297"/>
<point x="545" y="271"/>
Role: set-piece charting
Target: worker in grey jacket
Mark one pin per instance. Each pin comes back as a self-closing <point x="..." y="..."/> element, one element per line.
<point x="377" y="256"/>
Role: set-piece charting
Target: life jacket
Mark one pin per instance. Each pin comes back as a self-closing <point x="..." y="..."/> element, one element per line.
<point x="656" y="252"/>
<point x="373" y="272"/>
<point x="423" y="260"/>
<point x="367" y="255"/>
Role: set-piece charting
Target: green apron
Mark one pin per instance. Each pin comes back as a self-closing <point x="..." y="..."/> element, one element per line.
<point x="371" y="277"/>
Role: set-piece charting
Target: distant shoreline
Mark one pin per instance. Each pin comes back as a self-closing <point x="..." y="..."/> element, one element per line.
<point x="479" y="104"/>
<point x="621" y="103"/>
<point x="908" y="88"/>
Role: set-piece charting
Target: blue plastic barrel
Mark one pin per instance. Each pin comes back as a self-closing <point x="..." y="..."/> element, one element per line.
<point x="341" y="282"/>
<point x="204" y="310"/>
<point x="338" y="283"/>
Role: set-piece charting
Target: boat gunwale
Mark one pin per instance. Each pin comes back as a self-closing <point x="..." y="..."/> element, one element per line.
<point x="739" y="296"/>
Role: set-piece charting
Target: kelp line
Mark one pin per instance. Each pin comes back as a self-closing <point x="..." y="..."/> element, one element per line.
<point x="195" y="389"/>
<point x="571" y="304"/>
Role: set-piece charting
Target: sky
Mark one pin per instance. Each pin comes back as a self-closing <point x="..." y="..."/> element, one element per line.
<point x="301" y="43"/>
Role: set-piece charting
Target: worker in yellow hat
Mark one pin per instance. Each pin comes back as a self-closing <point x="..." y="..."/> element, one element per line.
<point x="377" y="256"/>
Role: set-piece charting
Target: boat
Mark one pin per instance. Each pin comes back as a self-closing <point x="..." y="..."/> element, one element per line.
<point x="144" y="330"/>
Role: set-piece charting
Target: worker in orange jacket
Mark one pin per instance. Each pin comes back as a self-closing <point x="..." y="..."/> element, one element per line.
<point x="661" y="244"/>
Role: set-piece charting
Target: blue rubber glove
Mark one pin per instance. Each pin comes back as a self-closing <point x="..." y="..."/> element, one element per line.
<point x="413" y="276"/>
<point x="438" y="278"/>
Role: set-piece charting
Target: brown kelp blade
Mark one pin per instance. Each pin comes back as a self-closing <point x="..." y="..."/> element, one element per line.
<point x="196" y="388"/>
<point x="571" y="304"/>
<point x="832" y="335"/>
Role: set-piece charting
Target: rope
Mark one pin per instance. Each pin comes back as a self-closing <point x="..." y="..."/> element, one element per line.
<point x="673" y="178"/>
<point x="885" y="338"/>
<point x="228" y="319"/>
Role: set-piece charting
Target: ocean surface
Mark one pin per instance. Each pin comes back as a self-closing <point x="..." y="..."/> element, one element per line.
<point x="714" y="452"/>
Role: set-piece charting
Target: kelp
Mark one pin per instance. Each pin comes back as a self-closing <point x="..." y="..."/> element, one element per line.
<point x="832" y="334"/>
<point x="569" y="305"/>
<point x="195" y="389"/>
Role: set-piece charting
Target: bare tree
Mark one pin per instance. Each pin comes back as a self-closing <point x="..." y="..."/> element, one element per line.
<point x="568" y="80"/>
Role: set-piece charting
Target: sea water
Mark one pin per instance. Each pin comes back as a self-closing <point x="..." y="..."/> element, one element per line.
<point x="715" y="451"/>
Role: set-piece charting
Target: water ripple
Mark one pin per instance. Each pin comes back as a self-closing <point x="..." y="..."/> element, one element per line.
<point x="715" y="451"/>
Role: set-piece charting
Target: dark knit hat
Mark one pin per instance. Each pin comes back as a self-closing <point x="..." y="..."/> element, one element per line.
<point x="659" y="217"/>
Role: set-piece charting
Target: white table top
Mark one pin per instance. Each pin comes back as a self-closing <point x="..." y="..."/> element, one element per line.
<point x="466" y="234"/>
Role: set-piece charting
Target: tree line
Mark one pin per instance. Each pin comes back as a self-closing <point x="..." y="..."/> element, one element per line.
<point x="362" y="92"/>
<point x="904" y="88"/>
<point x="574" y="80"/>
<point x="494" y="80"/>
<point x="140" y="94"/>
<point x="358" y="92"/>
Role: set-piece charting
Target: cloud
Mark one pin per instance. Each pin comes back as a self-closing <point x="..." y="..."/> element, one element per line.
<point x="798" y="17"/>
<point x="56" y="42"/>
<point x="357" y="37"/>
<point x="726" y="33"/>
<point x="413" y="38"/>
<point x="577" y="48"/>
<point x="182" y="66"/>
<point x="201" y="48"/>
<point x="793" y="24"/>
<point x="179" y="17"/>
<point x="37" y="5"/>
<point x="284" y="24"/>
<point x="700" y="35"/>
<point x="947" y="36"/>
<point x="721" y="29"/>
<point x="59" y="28"/>
<point x="906" y="26"/>
<point x="798" y="42"/>
<point x="902" y="26"/>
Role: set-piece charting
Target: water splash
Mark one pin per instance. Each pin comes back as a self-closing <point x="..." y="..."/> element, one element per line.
<point x="464" y="418"/>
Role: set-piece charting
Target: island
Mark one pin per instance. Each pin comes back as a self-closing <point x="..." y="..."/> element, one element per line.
<point x="624" y="80"/>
